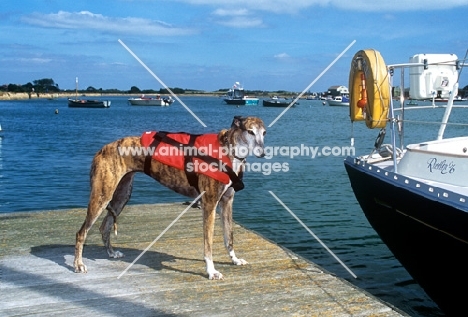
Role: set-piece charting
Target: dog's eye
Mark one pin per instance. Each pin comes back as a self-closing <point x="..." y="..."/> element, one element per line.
<point x="251" y="132"/>
<point x="264" y="132"/>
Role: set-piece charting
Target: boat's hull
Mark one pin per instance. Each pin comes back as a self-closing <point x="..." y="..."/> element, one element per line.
<point x="424" y="227"/>
<point x="335" y="103"/>
<point x="242" y="102"/>
<point x="273" y="103"/>
<point x="149" y="102"/>
<point x="88" y="103"/>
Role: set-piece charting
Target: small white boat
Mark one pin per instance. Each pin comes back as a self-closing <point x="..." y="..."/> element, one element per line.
<point x="415" y="196"/>
<point x="151" y="101"/>
<point x="339" y="101"/>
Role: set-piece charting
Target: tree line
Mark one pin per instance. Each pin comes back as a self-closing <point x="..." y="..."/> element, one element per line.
<point x="48" y="85"/>
<point x="40" y="85"/>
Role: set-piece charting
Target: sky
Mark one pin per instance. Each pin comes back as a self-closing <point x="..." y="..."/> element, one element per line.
<point x="209" y="45"/>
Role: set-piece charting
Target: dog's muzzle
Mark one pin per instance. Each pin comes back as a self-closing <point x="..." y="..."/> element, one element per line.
<point x="258" y="151"/>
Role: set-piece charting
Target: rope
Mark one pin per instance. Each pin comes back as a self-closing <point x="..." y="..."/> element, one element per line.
<point x="433" y="122"/>
<point x="429" y="122"/>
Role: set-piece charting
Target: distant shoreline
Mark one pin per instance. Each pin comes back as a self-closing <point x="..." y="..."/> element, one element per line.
<point x="5" y="96"/>
<point x="26" y="96"/>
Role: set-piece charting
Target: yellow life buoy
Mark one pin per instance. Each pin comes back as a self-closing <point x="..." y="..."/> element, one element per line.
<point x="369" y="89"/>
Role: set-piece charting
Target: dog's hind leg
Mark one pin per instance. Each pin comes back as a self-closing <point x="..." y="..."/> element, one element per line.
<point x="226" y="218"/>
<point x="94" y="211"/>
<point x="104" y="180"/>
<point x="114" y="208"/>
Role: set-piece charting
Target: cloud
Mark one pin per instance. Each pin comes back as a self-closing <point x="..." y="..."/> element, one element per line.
<point x="395" y="6"/>
<point x="242" y="22"/>
<point x="288" y="6"/>
<point x="28" y="60"/>
<point x="282" y="56"/>
<point x="237" y="18"/>
<point x="236" y="12"/>
<point x="99" y="22"/>
<point x="277" y="6"/>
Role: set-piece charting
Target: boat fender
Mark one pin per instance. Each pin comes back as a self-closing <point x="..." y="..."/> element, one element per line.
<point x="369" y="89"/>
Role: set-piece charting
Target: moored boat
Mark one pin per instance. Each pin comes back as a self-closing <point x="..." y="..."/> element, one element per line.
<point x="151" y="101"/>
<point x="339" y="101"/>
<point x="415" y="196"/>
<point x="86" y="103"/>
<point x="236" y="96"/>
<point x="279" y="102"/>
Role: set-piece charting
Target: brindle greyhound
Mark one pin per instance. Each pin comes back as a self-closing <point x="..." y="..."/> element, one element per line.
<point x="111" y="180"/>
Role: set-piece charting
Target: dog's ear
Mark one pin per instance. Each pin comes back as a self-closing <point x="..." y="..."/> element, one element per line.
<point x="237" y="122"/>
<point x="222" y="137"/>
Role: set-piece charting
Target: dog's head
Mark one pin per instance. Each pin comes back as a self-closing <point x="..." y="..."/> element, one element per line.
<point x="245" y="136"/>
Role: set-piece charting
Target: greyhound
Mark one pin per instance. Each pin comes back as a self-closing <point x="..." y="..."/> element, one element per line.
<point x="111" y="180"/>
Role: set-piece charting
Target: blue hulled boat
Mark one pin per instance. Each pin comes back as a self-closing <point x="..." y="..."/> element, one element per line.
<point x="414" y="196"/>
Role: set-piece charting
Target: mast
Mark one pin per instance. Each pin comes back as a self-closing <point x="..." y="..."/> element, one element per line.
<point x="76" y="88"/>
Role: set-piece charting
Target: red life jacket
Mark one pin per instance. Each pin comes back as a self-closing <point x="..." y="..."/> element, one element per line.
<point x="195" y="154"/>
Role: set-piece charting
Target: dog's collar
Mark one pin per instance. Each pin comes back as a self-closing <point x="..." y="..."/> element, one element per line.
<point x="241" y="159"/>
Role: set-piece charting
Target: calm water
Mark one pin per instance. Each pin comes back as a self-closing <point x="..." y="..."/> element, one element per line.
<point x="45" y="159"/>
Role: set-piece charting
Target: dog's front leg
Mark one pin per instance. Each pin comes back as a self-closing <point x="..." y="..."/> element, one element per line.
<point x="119" y="199"/>
<point x="108" y="223"/>
<point x="228" y="231"/>
<point x="209" y="214"/>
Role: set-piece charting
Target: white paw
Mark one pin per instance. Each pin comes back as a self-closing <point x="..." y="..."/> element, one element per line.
<point x="215" y="276"/>
<point x="237" y="261"/>
<point x="210" y="269"/>
<point x="81" y="268"/>
<point x="116" y="255"/>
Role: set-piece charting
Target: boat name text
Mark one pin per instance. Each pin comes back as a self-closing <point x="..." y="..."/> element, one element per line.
<point x="441" y="166"/>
